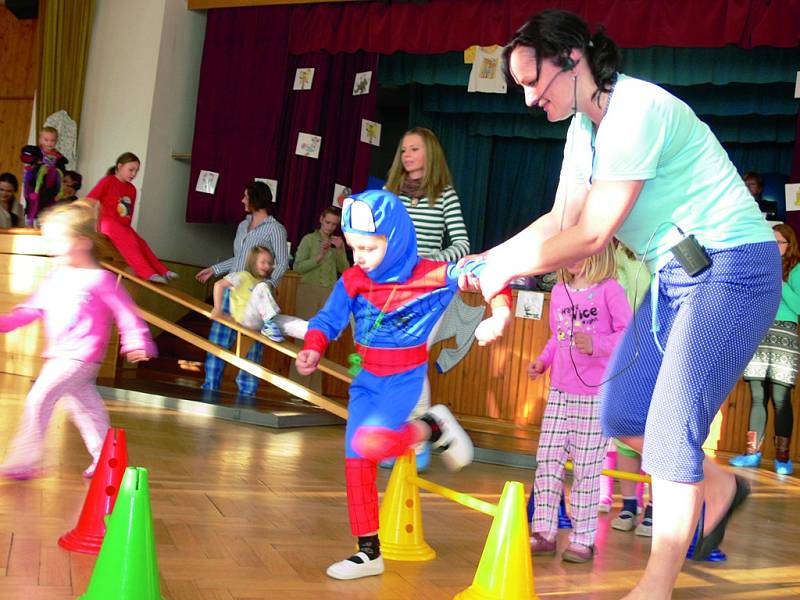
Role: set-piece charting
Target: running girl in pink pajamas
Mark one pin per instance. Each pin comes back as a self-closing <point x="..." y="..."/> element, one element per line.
<point x="77" y="302"/>
<point x="588" y="314"/>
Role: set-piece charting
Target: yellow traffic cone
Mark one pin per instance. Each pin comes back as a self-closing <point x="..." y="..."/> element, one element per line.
<point x="506" y="570"/>
<point x="401" y="516"/>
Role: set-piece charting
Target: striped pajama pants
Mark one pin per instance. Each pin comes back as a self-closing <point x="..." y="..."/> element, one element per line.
<point x="571" y="427"/>
<point x="72" y="382"/>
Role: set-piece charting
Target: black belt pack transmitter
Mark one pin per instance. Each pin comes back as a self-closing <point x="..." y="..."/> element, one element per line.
<point x="691" y="255"/>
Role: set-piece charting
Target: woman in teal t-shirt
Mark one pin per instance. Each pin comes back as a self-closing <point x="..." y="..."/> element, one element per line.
<point x="639" y="165"/>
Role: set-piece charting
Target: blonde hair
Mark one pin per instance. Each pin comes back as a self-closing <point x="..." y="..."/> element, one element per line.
<point x="49" y="129"/>
<point x="437" y="174"/>
<point x="595" y="269"/>
<point x="252" y="257"/>
<point x="79" y="217"/>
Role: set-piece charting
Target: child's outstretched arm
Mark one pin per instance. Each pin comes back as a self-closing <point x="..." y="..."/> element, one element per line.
<point x="19" y="316"/>
<point x="135" y="340"/>
<point x="326" y="325"/>
<point x="492" y="328"/>
<point x="22" y="314"/>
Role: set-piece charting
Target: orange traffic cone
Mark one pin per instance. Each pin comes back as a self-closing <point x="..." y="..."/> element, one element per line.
<point x="87" y="537"/>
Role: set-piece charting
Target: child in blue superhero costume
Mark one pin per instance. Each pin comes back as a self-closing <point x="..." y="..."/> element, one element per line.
<point x="396" y="298"/>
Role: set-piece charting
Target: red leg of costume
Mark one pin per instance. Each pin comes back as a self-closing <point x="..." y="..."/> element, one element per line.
<point x="362" y="495"/>
<point x="378" y="443"/>
<point x="133" y="248"/>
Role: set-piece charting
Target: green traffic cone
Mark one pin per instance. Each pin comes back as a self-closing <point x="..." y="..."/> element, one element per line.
<point x="126" y="568"/>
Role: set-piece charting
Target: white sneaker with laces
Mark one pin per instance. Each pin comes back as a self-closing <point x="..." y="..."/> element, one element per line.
<point x="157" y="279"/>
<point x="349" y="569"/>
<point x="457" y="447"/>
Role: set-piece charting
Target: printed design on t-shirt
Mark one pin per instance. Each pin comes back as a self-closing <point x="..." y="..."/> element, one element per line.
<point x="581" y="316"/>
<point x="488" y="68"/>
<point x="124" y="206"/>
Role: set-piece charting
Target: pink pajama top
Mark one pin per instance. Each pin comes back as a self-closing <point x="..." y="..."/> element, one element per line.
<point x="603" y="312"/>
<point x="77" y="306"/>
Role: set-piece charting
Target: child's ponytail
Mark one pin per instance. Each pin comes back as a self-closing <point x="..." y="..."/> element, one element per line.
<point x="123" y="159"/>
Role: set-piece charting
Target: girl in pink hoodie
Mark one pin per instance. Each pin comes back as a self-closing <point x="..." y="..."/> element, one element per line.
<point x="588" y="314"/>
<point x="77" y="301"/>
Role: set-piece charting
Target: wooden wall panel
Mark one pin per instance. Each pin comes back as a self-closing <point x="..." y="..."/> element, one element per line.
<point x="19" y="76"/>
<point x="489" y="388"/>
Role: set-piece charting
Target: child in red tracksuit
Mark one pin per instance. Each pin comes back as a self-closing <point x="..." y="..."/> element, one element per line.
<point x="117" y="197"/>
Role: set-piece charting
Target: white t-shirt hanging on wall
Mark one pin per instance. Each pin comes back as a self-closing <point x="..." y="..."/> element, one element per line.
<point x="487" y="72"/>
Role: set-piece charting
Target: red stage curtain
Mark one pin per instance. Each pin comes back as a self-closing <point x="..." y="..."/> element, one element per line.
<point x="329" y="109"/>
<point x="448" y="25"/>
<point x="239" y="104"/>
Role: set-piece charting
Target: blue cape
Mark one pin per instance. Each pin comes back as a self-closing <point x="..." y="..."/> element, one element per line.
<point x="378" y="212"/>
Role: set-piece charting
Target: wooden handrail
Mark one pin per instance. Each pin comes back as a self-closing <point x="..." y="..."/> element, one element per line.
<point x="246" y="365"/>
<point x="288" y="348"/>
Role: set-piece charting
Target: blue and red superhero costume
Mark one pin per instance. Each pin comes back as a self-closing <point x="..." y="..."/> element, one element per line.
<point x="395" y="307"/>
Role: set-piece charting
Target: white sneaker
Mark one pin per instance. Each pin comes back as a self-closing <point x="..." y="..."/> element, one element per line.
<point x="347" y="569"/>
<point x="458" y="449"/>
<point x="157" y="279"/>
<point x="171" y="275"/>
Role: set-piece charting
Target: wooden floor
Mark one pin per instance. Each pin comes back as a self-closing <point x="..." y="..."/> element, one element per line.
<point x="244" y="513"/>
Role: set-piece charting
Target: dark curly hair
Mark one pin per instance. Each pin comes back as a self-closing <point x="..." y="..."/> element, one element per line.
<point x="553" y="33"/>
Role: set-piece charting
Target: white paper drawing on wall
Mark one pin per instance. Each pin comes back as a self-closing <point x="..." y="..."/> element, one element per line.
<point x="207" y="182"/>
<point x="340" y="192"/>
<point x="529" y="304"/>
<point x="303" y="78"/>
<point x="361" y="84"/>
<point x="370" y="132"/>
<point x="272" y="184"/>
<point x="308" y="145"/>
<point x="792" y="196"/>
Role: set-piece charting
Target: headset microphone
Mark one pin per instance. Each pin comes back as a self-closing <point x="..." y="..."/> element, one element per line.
<point x="567" y="64"/>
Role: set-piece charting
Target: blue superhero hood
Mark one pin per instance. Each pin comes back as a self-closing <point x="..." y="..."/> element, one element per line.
<point x="378" y="212"/>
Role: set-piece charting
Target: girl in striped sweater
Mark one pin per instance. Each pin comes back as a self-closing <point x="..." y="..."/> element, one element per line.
<point x="420" y="177"/>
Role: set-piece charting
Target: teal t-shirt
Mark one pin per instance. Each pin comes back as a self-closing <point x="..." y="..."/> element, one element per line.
<point x="649" y="134"/>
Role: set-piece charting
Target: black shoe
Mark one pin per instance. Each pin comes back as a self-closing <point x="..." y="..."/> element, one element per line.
<point x="707" y="543"/>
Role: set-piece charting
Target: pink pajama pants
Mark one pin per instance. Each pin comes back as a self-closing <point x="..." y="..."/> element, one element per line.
<point x="72" y="382"/>
<point x="570" y="428"/>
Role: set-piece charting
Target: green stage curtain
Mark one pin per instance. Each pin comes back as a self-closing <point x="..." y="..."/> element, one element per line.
<point x="66" y="33"/>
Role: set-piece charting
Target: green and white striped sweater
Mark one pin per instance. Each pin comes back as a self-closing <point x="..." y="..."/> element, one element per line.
<point x="437" y="224"/>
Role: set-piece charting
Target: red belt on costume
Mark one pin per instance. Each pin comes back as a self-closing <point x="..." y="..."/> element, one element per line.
<point x="391" y="361"/>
